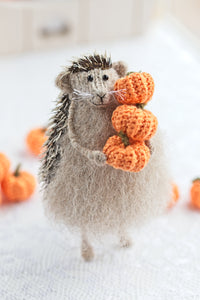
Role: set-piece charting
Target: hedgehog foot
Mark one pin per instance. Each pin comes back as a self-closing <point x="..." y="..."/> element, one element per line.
<point x="86" y="250"/>
<point x="125" y="241"/>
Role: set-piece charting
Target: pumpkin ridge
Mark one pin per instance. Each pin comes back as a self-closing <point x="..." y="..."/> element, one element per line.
<point x="4" y="165"/>
<point x="148" y="125"/>
<point x="141" y="125"/>
<point x="143" y="155"/>
<point x="154" y="125"/>
<point x="30" y="181"/>
<point x="144" y="95"/>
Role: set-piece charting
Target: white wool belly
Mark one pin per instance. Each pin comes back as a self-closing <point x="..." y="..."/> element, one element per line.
<point x="103" y="199"/>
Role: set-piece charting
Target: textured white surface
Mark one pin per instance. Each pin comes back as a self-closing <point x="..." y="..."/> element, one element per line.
<point x="39" y="262"/>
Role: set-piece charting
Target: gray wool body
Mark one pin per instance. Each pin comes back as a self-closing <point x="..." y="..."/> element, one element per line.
<point x="80" y="189"/>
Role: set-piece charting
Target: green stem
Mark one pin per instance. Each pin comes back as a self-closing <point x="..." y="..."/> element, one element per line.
<point x="196" y="179"/>
<point x="140" y="105"/>
<point x="124" y="138"/>
<point x="133" y="72"/>
<point x="44" y="129"/>
<point x="16" y="172"/>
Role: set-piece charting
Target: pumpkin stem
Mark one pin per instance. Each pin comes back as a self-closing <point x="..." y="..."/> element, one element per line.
<point x="140" y="105"/>
<point x="124" y="138"/>
<point x="196" y="179"/>
<point x="128" y="73"/>
<point x="16" y="172"/>
<point x="44" y="129"/>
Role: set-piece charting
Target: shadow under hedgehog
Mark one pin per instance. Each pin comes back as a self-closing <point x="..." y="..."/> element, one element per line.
<point x="79" y="188"/>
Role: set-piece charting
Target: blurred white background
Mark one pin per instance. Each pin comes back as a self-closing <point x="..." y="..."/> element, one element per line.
<point x="34" y="25"/>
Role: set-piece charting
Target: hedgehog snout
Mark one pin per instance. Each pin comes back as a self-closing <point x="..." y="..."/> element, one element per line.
<point x="101" y="96"/>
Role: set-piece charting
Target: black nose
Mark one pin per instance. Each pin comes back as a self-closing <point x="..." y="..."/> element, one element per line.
<point x="101" y="97"/>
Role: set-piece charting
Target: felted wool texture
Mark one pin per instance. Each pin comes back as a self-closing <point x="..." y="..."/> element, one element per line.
<point x="101" y="199"/>
<point x="104" y="199"/>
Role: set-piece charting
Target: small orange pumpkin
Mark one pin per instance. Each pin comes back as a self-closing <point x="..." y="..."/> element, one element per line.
<point x="18" y="186"/>
<point x="132" y="158"/>
<point x="134" y="88"/>
<point x="175" y="195"/>
<point x="136" y="123"/>
<point x="4" y="165"/>
<point x="195" y="193"/>
<point x="35" y="140"/>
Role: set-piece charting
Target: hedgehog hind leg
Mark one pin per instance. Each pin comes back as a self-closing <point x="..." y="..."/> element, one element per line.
<point x="87" y="252"/>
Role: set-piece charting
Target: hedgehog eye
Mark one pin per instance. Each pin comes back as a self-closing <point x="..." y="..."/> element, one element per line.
<point x="90" y="78"/>
<point x="105" y="77"/>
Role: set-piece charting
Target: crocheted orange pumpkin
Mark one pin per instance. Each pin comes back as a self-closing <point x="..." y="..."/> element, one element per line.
<point x="134" y="88"/>
<point x="137" y="123"/>
<point x="4" y="165"/>
<point x="18" y="186"/>
<point x="132" y="158"/>
<point x="35" y="140"/>
<point x="195" y="192"/>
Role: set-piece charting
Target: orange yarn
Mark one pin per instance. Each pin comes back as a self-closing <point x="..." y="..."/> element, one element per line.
<point x="137" y="123"/>
<point x="35" y="140"/>
<point x="4" y="165"/>
<point x="132" y="158"/>
<point x="18" y="186"/>
<point x="175" y="195"/>
<point x="195" y="193"/>
<point x="134" y="125"/>
<point x="134" y="88"/>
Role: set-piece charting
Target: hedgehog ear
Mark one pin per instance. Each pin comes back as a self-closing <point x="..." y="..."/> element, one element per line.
<point x="63" y="81"/>
<point x="120" y="67"/>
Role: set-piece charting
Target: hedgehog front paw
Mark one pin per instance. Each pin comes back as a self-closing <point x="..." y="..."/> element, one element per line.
<point x="99" y="158"/>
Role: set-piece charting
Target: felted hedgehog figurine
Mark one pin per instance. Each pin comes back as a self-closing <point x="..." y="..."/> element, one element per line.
<point x="79" y="188"/>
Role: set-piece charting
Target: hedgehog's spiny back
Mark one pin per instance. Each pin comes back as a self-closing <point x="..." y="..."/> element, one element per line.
<point x="91" y="62"/>
<point x="56" y="129"/>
